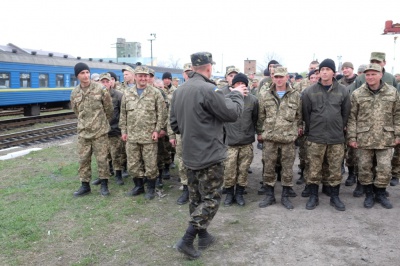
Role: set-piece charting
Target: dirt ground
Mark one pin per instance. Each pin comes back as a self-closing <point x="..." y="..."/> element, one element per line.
<point x="251" y="235"/>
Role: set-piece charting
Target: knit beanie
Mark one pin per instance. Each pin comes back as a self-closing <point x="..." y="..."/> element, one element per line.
<point x="80" y="67"/>
<point x="113" y="75"/>
<point x="312" y="72"/>
<point x="347" y="64"/>
<point x="328" y="63"/>
<point x="167" y="75"/>
<point x="242" y="78"/>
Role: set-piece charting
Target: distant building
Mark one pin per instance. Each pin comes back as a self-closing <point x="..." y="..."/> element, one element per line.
<point x="249" y="66"/>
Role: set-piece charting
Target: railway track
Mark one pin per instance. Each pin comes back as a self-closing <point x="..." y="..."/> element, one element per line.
<point x="31" y="136"/>
<point x="30" y="120"/>
<point x="21" y="111"/>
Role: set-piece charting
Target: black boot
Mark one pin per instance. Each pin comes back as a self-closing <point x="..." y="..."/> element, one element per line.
<point x="239" y="195"/>
<point x="104" y="188"/>
<point x="301" y="179"/>
<point x="278" y="170"/>
<point x="151" y="189"/>
<point x="159" y="182"/>
<point x="359" y="190"/>
<point x="249" y="170"/>
<point x="262" y="190"/>
<point x="327" y="190"/>
<point x="118" y="177"/>
<point x="172" y="165"/>
<point x="185" y="245"/>
<point x="291" y="192"/>
<point x="83" y="190"/>
<point x="184" y="198"/>
<point x="125" y="173"/>
<point x="111" y="167"/>
<point x="138" y="189"/>
<point x="205" y="239"/>
<point x="269" y="198"/>
<point x="306" y="192"/>
<point x="335" y="200"/>
<point x="369" y="196"/>
<point x="96" y="182"/>
<point x="313" y="200"/>
<point x="229" y="199"/>
<point x="343" y="169"/>
<point x="166" y="174"/>
<point x="394" y="181"/>
<point x="381" y="198"/>
<point x="285" y="198"/>
<point x="351" y="178"/>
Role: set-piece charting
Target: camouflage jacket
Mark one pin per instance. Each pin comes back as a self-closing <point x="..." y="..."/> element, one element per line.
<point x="116" y="100"/>
<point x="169" y="92"/>
<point x="141" y="116"/>
<point x="93" y="108"/>
<point x="302" y="85"/>
<point x="123" y="86"/>
<point x="374" y="120"/>
<point x="279" y="119"/>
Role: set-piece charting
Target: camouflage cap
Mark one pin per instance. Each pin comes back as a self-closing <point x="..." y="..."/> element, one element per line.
<point x="175" y="79"/>
<point x="374" y="67"/>
<point x="232" y="69"/>
<point x="280" y="71"/>
<point x="152" y="72"/>
<point x="128" y="68"/>
<point x="201" y="58"/>
<point x="142" y="70"/>
<point x="378" y="56"/>
<point x="95" y="76"/>
<point x="187" y="67"/>
<point x="105" y="76"/>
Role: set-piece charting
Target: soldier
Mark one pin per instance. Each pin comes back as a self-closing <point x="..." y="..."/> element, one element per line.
<point x="348" y="74"/>
<point x="361" y="69"/>
<point x="198" y="112"/>
<point x="141" y="120"/>
<point x="280" y="123"/>
<point x="267" y="74"/>
<point x="304" y="83"/>
<point x="93" y="106"/>
<point x="230" y="74"/>
<point x="326" y="106"/>
<point x="114" y="135"/>
<point x="175" y="82"/>
<point x="239" y="136"/>
<point x="95" y="77"/>
<point x="129" y="78"/>
<point x="373" y="129"/>
<point x="254" y="86"/>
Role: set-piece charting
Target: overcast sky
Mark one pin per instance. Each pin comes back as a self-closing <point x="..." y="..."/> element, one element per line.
<point x="296" y="31"/>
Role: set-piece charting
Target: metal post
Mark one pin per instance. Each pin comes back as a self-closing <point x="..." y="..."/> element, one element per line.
<point x="151" y="46"/>
<point x="394" y="54"/>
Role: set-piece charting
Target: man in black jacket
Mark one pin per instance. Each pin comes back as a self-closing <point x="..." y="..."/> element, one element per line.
<point x="198" y="112"/>
<point x="326" y="108"/>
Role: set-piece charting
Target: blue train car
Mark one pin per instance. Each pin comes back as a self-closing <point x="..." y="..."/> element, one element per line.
<point x="32" y="80"/>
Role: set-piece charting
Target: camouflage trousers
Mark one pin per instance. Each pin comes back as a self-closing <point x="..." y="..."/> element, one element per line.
<point x="316" y="154"/>
<point x="178" y="157"/>
<point x="204" y="195"/>
<point x="302" y="151"/>
<point x="116" y="150"/>
<point x="396" y="162"/>
<point x="97" y="147"/>
<point x="163" y="156"/>
<point x="142" y="160"/>
<point x="123" y="154"/>
<point x="383" y="167"/>
<point x="351" y="157"/>
<point x="270" y="157"/>
<point x="236" y="165"/>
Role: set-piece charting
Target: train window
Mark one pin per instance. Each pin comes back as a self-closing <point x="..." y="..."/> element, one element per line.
<point x="43" y="80"/>
<point x="4" y="80"/>
<point x="25" y="80"/>
<point x="59" y="80"/>
<point x="74" y="81"/>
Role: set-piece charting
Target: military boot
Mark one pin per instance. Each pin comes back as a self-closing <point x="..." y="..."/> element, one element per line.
<point x="335" y="200"/>
<point x="159" y="182"/>
<point x="327" y="190"/>
<point x="166" y="175"/>
<point x="118" y="177"/>
<point x="125" y="173"/>
<point x="151" y="189"/>
<point x="239" y="195"/>
<point x="205" y="239"/>
<point x="229" y="199"/>
<point x="278" y="171"/>
<point x="313" y="200"/>
<point x="184" y="198"/>
<point x="369" y="196"/>
<point x="172" y="165"/>
<point x="291" y="192"/>
<point x="138" y="189"/>
<point x="306" y="192"/>
<point x="381" y="198"/>
<point x="285" y="198"/>
<point x="359" y="190"/>
<point x="343" y="169"/>
<point x="110" y="165"/>
<point x="394" y="181"/>
<point x="96" y="182"/>
<point x="301" y="179"/>
<point x="185" y="245"/>
<point x="83" y="190"/>
<point x="351" y="178"/>
<point x="104" y="188"/>
<point x="269" y="198"/>
<point x="262" y="190"/>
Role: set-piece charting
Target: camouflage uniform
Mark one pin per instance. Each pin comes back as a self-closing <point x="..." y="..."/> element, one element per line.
<point x="374" y="131"/>
<point x="140" y="117"/>
<point x="94" y="109"/>
<point x="167" y="145"/>
<point x="114" y="135"/>
<point x="279" y="120"/>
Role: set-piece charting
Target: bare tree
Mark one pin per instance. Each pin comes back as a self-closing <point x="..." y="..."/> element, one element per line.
<point x="173" y="62"/>
<point x="262" y="64"/>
